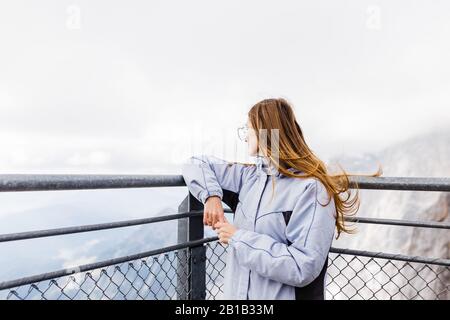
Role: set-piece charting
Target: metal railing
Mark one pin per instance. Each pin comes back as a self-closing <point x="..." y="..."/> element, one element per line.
<point x="193" y="268"/>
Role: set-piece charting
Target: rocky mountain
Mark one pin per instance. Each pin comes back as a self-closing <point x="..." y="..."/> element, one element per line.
<point x="422" y="156"/>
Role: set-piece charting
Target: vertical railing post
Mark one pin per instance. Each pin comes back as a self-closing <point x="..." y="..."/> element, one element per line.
<point x="191" y="269"/>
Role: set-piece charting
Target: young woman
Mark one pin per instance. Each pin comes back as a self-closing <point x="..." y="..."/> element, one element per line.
<point x="282" y="231"/>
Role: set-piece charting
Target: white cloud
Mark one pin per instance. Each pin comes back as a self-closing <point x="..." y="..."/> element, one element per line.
<point x="73" y="257"/>
<point x="127" y="90"/>
<point x="91" y="158"/>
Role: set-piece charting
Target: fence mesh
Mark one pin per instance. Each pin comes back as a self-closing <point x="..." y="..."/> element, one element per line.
<point x="165" y="276"/>
<point x="368" y="278"/>
<point x="155" y="277"/>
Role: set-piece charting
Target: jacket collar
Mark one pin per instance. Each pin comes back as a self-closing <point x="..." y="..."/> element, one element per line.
<point x="263" y="166"/>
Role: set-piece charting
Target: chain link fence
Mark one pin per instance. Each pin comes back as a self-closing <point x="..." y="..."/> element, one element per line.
<point x="158" y="278"/>
<point x="371" y="278"/>
<point x="154" y="277"/>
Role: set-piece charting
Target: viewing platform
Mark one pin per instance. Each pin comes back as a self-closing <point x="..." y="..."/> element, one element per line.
<point x="193" y="268"/>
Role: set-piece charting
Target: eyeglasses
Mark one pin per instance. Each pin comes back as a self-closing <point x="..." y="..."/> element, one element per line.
<point x="243" y="132"/>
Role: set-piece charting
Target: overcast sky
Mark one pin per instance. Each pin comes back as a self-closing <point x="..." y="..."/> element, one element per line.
<point x="136" y="86"/>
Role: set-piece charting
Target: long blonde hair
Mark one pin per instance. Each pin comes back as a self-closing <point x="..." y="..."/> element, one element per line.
<point x="293" y="152"/>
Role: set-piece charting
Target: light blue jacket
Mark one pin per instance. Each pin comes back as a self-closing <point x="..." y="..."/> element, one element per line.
<point x="267" y="259"/>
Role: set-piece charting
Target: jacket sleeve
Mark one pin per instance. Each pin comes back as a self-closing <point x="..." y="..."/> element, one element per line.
<point x="310" y="230"/>
<point x="207" y="175"/>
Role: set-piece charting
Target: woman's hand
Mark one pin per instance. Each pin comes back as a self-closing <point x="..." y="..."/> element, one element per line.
<point x="225" y="230"/>
<point x="213" y="211"/>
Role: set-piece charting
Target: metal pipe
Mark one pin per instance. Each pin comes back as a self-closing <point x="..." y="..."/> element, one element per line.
<point x="101" y="264"/>
<point x="46" y="182"/>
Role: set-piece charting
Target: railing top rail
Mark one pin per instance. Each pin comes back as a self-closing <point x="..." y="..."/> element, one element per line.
<point x="46" y="182"/>
<point x="402" y="183"/>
